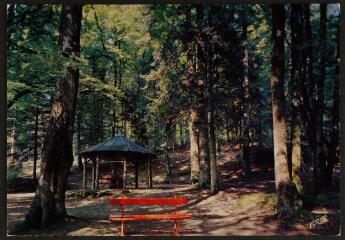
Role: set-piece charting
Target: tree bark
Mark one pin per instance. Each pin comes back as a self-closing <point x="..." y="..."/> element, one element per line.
<point x="194" y="115"/>
<point x="80" y="163"/>
<point x="14" y="137"/>
<point x="286" y="190"/>
<point x="34" y="175"/>
<point x="166" y="153"/>
<point x="213" y="153"/>
<point x="321" y="158"/>
<point x="296" y="78"/>
<point x="210" y="74"/>
<point x="202" y="101"/>
<point x="308" y="89"/>
<point x="181" y="142"/>
<point x="227" y="130"/>
<point x="246" y="112"/>
<point x="194" y="148"/>
<point x="113" y="129"/>
<point x="333" y="156"/>
<point x="48" y="204"/>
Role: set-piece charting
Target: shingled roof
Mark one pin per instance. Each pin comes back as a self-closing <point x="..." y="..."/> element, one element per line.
<point x="119" y="143"/>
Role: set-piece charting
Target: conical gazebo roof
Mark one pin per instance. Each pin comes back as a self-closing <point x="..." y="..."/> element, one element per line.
<point x="119" y="144"/>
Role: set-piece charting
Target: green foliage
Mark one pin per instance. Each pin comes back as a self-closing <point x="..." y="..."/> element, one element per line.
<point x="133" y="69"/>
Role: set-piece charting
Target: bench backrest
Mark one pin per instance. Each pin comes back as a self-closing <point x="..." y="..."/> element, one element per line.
<point x="148" y="201"/>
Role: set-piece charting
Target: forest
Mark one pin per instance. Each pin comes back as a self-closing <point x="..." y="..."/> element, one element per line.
<point x="239" y="102"/>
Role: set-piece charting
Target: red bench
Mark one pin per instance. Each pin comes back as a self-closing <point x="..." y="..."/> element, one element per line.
<point x="175" y="216"/>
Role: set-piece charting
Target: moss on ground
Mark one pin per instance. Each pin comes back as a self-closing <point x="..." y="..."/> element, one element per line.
<point x="248" y="200"/>
<point x="88" y="193"/>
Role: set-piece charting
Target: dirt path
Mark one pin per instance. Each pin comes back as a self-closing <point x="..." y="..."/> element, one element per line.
<point x="211" y="215"/>
<point x="242" y="207"/>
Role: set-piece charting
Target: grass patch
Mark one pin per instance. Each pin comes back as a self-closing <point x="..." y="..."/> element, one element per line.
<point x="266" y="200"/>
<point x="13" y="172"/>
<point x="18" y="227"/>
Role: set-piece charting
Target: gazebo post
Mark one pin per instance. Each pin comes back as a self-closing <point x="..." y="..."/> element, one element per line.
<point x="84" y="172"/>
<point x="93" y="175"/>
<point x="124" y="176"/>
<point x="136" y="175"/>
<point x="150" y="174"/>
<point x="97" y="173"/>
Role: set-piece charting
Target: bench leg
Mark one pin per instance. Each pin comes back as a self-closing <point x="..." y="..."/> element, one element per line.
<point x="176" y="230"/>
<point x="122" y="233"/>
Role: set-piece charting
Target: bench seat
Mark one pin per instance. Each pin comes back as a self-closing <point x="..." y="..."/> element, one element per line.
<point x="172" y="216"/>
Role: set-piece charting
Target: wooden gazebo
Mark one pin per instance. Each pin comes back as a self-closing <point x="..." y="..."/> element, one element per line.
<point x="118" y="150"/>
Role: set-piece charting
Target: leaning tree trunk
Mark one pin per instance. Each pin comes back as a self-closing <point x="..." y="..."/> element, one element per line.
<point x="48" y="204"/>
<point x="286" y="190"/>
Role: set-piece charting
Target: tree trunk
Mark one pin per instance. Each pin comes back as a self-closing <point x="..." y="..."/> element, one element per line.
<point x="181" y="142"/>
<point x="166" y="153"/>
<point x="194" y="148"/>
<point x="246" y="112"/>
<point x="321" y="162"/>
<point x="218" y="141"/>
<point x="286" y="190"/>
<point x="210" y="74"/>
<point x="113" y="129"/>
<point x="296" y="57"/>
<point x="194" y="115"/>
<point x="332" y="157"/>
<point x="34" y="176"/>
<point x="80" y="163"/>
<point x="49" y="202"/>
<point x="307" y="87"/>
<point x="296" y="78"/>
<point x="201" y="102"/>
<point x="14" y="137"/>
<point x="227" y="127"/>
<point x="213" y="153"/>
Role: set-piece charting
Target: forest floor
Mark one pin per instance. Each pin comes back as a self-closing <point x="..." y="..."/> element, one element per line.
<point x="241" y="207"/>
